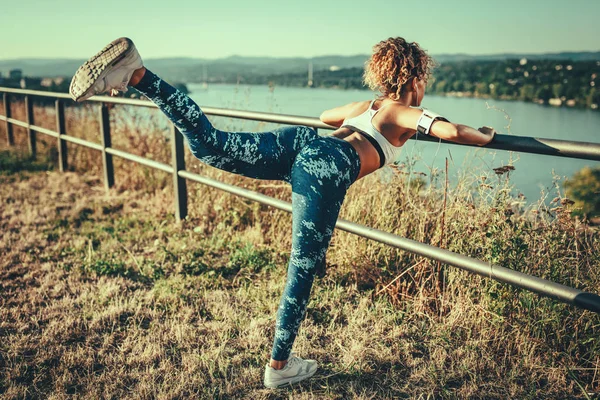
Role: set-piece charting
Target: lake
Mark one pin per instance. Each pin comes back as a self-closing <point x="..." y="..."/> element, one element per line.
<point x="533" y="176"/>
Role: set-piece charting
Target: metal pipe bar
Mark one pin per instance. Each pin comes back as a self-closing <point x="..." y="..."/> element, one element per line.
<point x="107" y="159"/>
<point x="61" y="129"/>
<point x="122" y="100"/>
<point x="588" y="301"/>
<point x="39" y="93"/>
<point x="31" y="134"/>
<point x="179" y="183"/>
<point x="45" y="131"/>
<point x="238" y="191"/>
<point x="566" y="294"/>
<point x="81" y="142"/>
<point x="14" y="121"/>
<point x="10" y="140"/>
<point x="36" y="128"/>
<point x="54" y="134"/>
<point x="533" y="145"/>
<point x="140" y="160"/>
<point x="57" y="95"/>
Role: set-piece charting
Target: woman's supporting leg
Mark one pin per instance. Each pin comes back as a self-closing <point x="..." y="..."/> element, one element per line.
<point x="266" y="155"/>
<point x="321" y="174"/>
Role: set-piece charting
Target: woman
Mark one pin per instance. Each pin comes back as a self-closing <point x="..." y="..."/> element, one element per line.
<point x="319" y="169"/>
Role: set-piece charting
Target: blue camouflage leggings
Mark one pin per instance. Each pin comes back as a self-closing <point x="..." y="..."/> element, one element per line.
<point x="320" y="170"/>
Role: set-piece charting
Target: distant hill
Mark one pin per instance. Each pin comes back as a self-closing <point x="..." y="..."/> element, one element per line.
<point x="193" y="69"/>
<point x="179" y="67"/>
<point x="565" y="55"/>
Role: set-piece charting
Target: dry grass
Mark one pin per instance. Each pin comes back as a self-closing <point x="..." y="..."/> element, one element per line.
<point x="105" y="296"/>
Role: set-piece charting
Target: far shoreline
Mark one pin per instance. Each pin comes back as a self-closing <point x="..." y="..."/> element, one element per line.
<point x="553" y="103"/>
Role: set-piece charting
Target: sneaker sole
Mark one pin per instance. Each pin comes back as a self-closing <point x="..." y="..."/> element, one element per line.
<point x="94" y="69"/>
<point x="293" y="380"/>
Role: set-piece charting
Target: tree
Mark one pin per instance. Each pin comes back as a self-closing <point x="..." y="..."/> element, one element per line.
<point x="544" y="93"/>
<point x="457" y="86"/>
<point x="482" y="88"/>
<point x="440" y="86"/>
<point x="558" y="90"/>
<point x="527" y="92"/>
<point x="584" y="189"/>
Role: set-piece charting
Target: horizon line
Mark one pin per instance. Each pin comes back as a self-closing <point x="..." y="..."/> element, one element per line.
<point x="325" y="55"/>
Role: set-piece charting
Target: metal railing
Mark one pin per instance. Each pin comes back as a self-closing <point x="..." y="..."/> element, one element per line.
<point x="561" y="148"/>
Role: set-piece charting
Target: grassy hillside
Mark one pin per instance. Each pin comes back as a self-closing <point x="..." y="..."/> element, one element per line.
<point x="106" y="296"/>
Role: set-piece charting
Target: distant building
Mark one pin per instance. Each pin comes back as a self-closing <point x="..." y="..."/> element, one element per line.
<point x="30" y="83"/>
<point x="555" y="102"/>
<point x="334" y="68"/>
<point x="48" y="82"/>
<point x="15" y="74"/>
<point x="523" y="61"/>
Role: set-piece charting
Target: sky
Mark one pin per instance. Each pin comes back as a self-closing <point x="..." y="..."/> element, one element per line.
<point x="220" y="28"/>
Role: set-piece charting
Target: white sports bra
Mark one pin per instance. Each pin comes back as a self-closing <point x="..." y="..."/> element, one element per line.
<point x="388" y="153"/>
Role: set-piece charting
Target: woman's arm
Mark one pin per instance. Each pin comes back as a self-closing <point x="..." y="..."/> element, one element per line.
<point x="407" y="117"/>
<point x="463" y="134"/>
<point x="336" y="116"/>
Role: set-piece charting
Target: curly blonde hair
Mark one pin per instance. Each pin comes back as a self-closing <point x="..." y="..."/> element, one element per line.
<point x="393" y="63"/>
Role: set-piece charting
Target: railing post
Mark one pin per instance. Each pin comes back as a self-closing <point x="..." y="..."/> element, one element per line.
<point x="9" y="132"/>
<point x="60" y="128"/>
<point x="30" y="132"/>
<point x="179" y="183"/>
<point x="107" y="159"/>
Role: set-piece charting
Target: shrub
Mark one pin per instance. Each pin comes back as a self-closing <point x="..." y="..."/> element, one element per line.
<point x="584" y="189"/>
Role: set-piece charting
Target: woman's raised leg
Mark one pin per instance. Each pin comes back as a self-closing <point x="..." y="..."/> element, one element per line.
<point x="265" y="155"/>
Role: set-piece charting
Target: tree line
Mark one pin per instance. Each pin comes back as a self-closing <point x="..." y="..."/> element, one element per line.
<point x="557" y="82"/>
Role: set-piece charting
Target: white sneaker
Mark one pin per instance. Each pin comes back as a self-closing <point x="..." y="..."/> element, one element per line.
<point x="294" y="371"/>
<point x="108" y="71"/>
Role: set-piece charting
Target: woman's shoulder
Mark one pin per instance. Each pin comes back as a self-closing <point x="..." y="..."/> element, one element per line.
<point x="399" y="114"/>
<point x="357" y="106"/>
<point x="393" y="106"/>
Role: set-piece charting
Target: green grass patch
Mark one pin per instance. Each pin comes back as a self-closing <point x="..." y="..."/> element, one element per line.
<point x="12" y="162"/>
<point x="248" y="256"/>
